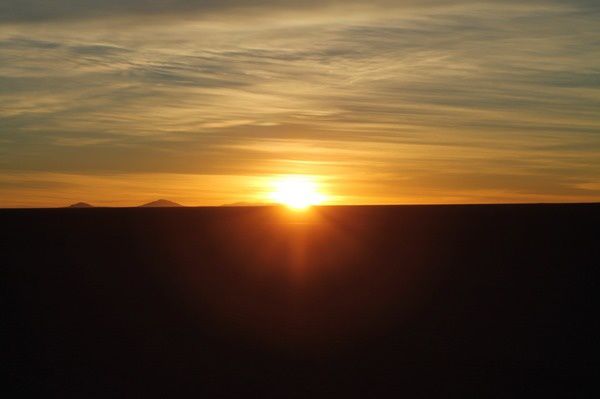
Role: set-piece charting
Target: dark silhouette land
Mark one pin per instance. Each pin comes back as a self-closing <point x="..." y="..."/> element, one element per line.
<point x="81" y="205"/>
<point x="161" y="203"/>
<point x="256" y="302"/>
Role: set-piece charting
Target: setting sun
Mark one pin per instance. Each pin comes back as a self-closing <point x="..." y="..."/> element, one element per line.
<point x="296" y="192"/>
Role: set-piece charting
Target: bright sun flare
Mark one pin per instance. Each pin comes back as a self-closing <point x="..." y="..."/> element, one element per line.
<point x="296" y="192"/>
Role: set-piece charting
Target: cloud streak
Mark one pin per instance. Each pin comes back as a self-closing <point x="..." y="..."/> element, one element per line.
<point x="426" y="93"/>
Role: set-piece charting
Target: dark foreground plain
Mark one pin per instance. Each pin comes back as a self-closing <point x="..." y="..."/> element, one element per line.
<point x="370" y="302"/>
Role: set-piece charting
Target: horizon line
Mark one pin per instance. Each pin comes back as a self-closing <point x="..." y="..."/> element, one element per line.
<point x="313" y="206"/>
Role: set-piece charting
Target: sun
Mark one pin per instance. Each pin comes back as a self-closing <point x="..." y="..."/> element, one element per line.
<point x="296" y="192"/>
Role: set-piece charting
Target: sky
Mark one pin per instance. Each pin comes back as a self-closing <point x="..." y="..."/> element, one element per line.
<point x="118" y="103"/>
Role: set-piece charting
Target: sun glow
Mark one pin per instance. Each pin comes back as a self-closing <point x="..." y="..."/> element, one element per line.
<point x="296" y="192"/>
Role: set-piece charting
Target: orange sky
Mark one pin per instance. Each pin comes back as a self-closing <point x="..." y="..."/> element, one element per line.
<point x="123" y="102"/>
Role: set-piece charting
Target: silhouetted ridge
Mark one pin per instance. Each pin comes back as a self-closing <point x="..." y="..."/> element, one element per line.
<point x="161" y="203"/>
<point x="81" y="205"/>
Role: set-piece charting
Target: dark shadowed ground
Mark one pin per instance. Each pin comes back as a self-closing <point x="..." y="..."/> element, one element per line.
<point x="370" y="302"/>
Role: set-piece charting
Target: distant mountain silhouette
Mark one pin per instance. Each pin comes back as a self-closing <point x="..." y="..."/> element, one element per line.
<point x="81" y="205"/>
<point x="161" y="203"/>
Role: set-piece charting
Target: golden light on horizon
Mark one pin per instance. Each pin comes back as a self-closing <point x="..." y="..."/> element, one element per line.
<point x="297" y="192"/>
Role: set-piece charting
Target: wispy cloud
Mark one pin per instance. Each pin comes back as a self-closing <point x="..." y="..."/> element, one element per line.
<point x="447" y="98"/>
